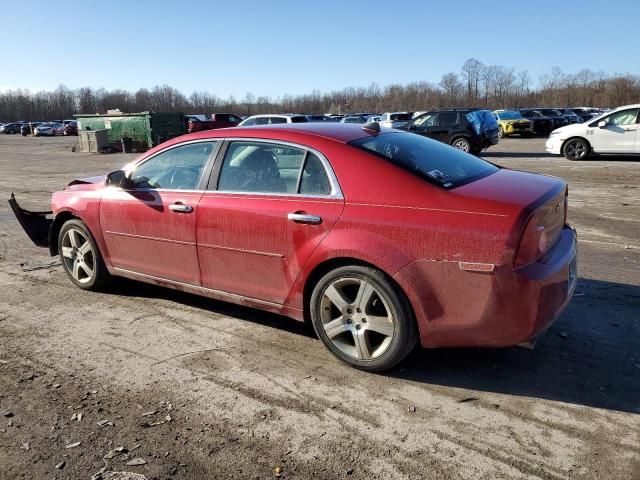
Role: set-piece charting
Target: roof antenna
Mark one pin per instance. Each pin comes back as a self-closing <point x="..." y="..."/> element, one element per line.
<point x="373" y="127"/>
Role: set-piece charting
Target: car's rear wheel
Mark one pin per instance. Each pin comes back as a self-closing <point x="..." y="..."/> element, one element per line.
<point x="576" y="149"/>
<point x="500" y="132"/>
<point x="53" y="132"/>
<point x="461" y="143"/>
<point x="80" y="256"/>
<point x="363" y="318"/>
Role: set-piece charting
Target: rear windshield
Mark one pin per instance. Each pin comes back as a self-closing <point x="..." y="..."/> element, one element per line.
<point x="402" y="117"/>
<point x="434" y="161"/>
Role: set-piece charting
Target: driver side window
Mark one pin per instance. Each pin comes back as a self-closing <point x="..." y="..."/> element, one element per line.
<point x="178" y="168"/>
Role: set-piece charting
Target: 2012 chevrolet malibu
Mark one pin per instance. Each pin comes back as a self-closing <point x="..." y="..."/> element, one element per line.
<point x="382" y="239"/>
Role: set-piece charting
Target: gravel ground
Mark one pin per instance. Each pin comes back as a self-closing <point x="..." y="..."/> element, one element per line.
<point x="194" y="388"/>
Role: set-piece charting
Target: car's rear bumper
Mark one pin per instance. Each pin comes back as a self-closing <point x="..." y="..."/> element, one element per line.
<point x="456" y="307"/>
<point x="35" y="224"/>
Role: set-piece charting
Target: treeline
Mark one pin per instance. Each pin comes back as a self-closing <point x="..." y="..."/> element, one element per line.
<point x="476" y="85"/>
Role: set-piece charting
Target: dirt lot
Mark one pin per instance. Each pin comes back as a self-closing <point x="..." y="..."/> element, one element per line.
<point x="202" y="389"/>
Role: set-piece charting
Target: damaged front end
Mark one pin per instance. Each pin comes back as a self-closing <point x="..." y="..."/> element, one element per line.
<point x="35" y="224"/>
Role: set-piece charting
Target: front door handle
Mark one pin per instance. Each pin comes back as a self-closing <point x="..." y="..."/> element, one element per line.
<point x="180" y="208"/>
<point x="304" y="218"/>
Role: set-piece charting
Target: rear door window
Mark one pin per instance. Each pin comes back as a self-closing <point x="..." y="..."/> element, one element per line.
<point x="274" y="120"/>
<point x="447" y="118"/>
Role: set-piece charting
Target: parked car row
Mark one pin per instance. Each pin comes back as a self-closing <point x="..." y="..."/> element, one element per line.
<point x="39" y="128"/>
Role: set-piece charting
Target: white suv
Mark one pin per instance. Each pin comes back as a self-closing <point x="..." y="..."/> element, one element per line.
<point x="394" y="119"/>
<point x="616" y="131"/>
<point x="269" y="119"/>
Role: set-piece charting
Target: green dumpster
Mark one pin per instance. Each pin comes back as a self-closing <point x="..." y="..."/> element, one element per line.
<point x="145" y="129"/>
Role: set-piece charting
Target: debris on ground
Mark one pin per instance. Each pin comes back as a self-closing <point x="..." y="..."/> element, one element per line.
<point x="25" y="446"/>
<point x="277" y="471"/>
<point x="121" y="476"/>
<point x="149" y="414"/>
<point x="115" y="452"/>
<point x="468" y="399"/>
<point x="7" y="414"/>
<point x="73" y="445"/>
<point x="61" y="465"/>
<point x="32" y="266"/>
<point x="412" y="408"/>
<point x="136" y="461"/>
<point x="105" y="423"/>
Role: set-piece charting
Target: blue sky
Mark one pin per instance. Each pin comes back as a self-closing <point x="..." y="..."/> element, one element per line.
<point x="277" y="47"/>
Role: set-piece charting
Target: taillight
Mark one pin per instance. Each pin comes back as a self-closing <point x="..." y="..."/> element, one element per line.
<point x="533" y="244"/>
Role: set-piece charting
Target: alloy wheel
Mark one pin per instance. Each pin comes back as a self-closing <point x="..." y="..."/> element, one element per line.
<point x="78" y="255"/>
<point x="462" y="144"/>
<point x="576" y="149"/>
<point x="356" y="318"/>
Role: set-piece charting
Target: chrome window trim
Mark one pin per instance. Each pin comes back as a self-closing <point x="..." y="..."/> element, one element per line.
<point x="336" y="191"/>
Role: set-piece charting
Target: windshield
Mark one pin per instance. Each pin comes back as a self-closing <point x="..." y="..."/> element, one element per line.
<point x="434" y="161"/>
<point x="509" y="115"/>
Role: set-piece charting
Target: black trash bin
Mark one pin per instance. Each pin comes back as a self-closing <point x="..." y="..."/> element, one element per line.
<point x="127" y="144"/>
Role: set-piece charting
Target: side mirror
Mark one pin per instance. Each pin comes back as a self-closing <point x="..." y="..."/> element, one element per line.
<point x="117" y="179"/>
<point x="602" y="123"/>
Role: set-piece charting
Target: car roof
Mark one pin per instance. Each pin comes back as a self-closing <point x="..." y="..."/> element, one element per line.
<point x="337" y="132"/>
<point x="284" y="115"/>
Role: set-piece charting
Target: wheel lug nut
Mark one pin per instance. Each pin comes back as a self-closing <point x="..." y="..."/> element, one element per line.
<point x="349" y="320"/>
<point x="358" y="327"/>
<point x="364" y="320"/>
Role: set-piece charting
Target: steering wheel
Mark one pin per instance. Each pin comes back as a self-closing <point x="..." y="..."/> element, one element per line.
<point x="183" y="179"/>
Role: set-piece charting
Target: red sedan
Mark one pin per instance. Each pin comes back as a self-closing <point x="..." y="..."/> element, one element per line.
<point x="381" y="239"/>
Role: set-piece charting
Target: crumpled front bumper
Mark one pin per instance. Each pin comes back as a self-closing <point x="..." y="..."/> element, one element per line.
<point x="35" y="224"/>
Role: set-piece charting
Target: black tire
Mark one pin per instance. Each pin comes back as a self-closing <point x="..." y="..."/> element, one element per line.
<point x="386" y="297"/>
<point x="11" y="132"/>
<point x="576" y="149"/>
<point x="461" y="143"/>
<point x="100" y="275"/>
<point x="500" y="132"/>
<point x="53" y="132"/>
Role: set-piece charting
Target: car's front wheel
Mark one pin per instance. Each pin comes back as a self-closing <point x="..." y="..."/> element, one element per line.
<point x="462" y="144"/>
<point x="575" y="149"/>
<point x="363" y="318"/>
<point x="500" y="132"/>
<point x="80" y="256"/>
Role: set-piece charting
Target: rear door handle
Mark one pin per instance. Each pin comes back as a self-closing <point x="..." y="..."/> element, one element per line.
<point x="180" y="208"/>
<point x="304" y="218"/>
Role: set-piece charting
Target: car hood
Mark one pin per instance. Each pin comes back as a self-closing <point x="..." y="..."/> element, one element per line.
<point x="514" y="120"/>
<point x="576" y="128"/>
<point x="88" y="183"/>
